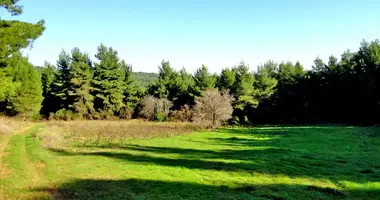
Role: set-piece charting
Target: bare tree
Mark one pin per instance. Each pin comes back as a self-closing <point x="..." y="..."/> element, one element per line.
<point x="213" y="108"/>
<point x="148" y="104"/>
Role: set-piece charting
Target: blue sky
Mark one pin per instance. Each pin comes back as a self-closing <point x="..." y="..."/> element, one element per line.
<point x="189" y="33"/>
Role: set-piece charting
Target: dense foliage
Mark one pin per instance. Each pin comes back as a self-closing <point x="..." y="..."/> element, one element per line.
<point x="20" y="83"/>
<point x="345" y="90"/>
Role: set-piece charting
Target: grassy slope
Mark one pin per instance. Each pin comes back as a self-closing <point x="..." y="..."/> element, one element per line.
<point x="265" y="163"/>
<point x="145" y="78"/>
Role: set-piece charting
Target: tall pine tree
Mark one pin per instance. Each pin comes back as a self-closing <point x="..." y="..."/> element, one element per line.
<point x="80" y="76"/>
<point x="132" y="91"/>
<point x="48" y="77"/>
<point x="27" y="99"/>
<point x="203" y="80"/>
<point x="108" y="83"/>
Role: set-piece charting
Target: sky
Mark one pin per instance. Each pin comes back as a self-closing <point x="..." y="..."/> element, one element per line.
<point x="189" y="33"/>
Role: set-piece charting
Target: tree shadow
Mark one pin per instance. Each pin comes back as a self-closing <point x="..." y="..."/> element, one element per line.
<point x="171" y="162"/>
<point x="275" y="161"/>
<point x="267" y="156"/>
<point x="153" y="189"/>
<point x="280" y="130"/>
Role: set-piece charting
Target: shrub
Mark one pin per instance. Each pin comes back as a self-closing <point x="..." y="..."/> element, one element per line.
<point x="213" y="108"/>
<point x="155" y="109"/>
<point x="185" y="114"/>
<point x="64" y="114"/>
<point x="147" y="107"/>
<point x="160" y="117"/>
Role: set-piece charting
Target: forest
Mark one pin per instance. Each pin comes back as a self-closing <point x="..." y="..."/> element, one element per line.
<point x="339" y="90"/>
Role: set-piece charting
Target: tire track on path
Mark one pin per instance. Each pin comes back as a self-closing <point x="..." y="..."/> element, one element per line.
<point x="3" y="145"/>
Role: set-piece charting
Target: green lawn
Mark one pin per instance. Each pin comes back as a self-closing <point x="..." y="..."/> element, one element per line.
<point x="318" y="162"/>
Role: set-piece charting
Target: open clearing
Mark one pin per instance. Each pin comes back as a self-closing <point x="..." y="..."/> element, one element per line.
<point x="317" y="162"/>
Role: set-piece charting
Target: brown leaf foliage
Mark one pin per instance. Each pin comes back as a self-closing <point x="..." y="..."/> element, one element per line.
<point x="213" y="108"/>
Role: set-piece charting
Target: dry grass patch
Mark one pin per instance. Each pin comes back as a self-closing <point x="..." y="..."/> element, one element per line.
<point x="8" y="125"/>
<point x="95" y="133"/>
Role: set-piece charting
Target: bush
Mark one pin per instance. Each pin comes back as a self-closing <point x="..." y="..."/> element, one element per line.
<point x="155" y="109"/>
<point x="64" y="114"/>
<point x="185" y="114"/>
<point x="147" y="107"/>
<point x="160" y="117"/>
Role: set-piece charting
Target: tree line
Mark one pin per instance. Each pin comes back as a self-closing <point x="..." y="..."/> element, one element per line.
<point x="345" y="90"/>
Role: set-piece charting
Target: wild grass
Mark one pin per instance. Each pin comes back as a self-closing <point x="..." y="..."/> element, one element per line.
<point x="8" y="125"/>
<point x="108" y="133"/>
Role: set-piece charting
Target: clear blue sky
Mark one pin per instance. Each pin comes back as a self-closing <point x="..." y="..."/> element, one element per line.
<point x="218" y="33"/>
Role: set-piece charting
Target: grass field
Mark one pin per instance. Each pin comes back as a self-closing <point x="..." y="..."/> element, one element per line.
<point x="317" y="162"/>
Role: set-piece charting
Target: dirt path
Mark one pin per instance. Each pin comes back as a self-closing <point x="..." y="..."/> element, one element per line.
<point x="31" y="165"/>
<point x="27" y="174"/>
<point x="3" y="145"/>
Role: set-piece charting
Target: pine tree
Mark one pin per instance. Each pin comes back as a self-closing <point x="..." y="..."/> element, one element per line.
<point x="226" y="80"/>
<point x="243" y="89"/>
<point x="244" y="93"/>
<point x="132" y="91"/>
<point x="48" y="77"/>
<point x="265" y="80"/>
<point x="203" y="80"/>
<point x="27" y="99"/>
<point x="108" y="83"/>
<point x="184" y="85"/>
<point x="62" y="82"/>
<point x="165" y="86"/>
<point x="10" y="6"/>
<point x="14" y="35"/>
<point x="80" y="76"/>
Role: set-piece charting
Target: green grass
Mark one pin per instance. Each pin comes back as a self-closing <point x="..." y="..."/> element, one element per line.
<point x="318" y="162"/>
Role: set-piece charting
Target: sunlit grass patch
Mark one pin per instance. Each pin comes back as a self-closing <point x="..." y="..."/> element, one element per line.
<point x="237" y="163"/>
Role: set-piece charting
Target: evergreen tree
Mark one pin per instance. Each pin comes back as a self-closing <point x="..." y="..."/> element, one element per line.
<point x="184" y="88"/>
<point x="14" y="35"/>
<point x="319" y="65"/>
<point x="62" y="82"/>
<point x="132" y="91"/>
<point x="27" y="99"/>
<point x="290" y="99"/>
<point x="226" y="80"/>
<point x="108" y="83"/>
<point x="80" y="75"/>
<point x="244" y="93"/>
<point x="10" y="6"/>
<point x="266" y="82"/>
<point x="165" y="86"/>
<point x="203" y="80"/>
<point x="48" y="77"/>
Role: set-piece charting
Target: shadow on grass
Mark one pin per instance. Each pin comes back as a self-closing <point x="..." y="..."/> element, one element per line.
<point x="172" y="162"/>
<point x="272" y="156"/>
<point x="269" y="161"/>
<point x="152" y="189"/>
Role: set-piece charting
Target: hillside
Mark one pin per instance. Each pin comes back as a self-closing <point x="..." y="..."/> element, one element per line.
<point x="144" y="78"/>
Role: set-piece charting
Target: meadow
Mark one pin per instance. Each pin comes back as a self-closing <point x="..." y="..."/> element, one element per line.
<point x="144" y="160"/>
